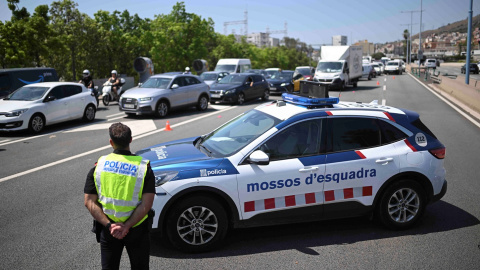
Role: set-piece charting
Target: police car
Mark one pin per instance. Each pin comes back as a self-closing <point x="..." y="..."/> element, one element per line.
<point x="295" y="160"/>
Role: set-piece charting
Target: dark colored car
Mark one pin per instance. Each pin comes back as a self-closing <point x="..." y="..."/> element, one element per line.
<point x="306" y="71"/>
<point x="258" y="71"/>
<point x="281" y="82"/>
<point x="236" y="88"/>
<point x="473" y="69"/>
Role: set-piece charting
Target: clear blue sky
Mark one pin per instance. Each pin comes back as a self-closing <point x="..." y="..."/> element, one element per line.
<point x="311" y="21"/>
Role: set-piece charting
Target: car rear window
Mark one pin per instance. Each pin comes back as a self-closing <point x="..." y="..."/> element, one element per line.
<point x="418" y="124"/>
<point x="390" y="133"/>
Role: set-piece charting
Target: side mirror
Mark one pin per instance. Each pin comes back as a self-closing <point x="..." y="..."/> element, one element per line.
<point x="49" y="98"/>
<point x="259" y="157"/>
<point x="175" y="86"/>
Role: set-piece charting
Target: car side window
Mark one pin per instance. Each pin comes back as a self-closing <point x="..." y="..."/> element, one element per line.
<point x="390" y="133"/>
<point x="57" y="92"/>
<point x="191" y="80"/>
<point x="299" y="140"/>
<point x="70" y="90"/>
<point x="180" y="81"/>
<point x="257" y="79"/>
<point x="352" y="133"/>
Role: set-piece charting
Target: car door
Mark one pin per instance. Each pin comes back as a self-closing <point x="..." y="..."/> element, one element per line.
<point x="56" y="110"/>
<point x="76" y="99"/>
<point x="358" y="162"/>
<point x="179" y="96"/>
<point x="258" y="86"/>
<point x="194" y="89"/>
<point x="249" y="88"/>
<point x="290" y="180"/>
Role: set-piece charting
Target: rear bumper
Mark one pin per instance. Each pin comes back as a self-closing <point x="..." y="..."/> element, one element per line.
<point x="441" y="194"/>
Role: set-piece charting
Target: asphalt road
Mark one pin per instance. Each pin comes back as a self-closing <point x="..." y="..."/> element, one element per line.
<point x="46" y="226"/>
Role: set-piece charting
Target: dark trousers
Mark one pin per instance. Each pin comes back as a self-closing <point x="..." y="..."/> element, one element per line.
<point x="137" y="243"/>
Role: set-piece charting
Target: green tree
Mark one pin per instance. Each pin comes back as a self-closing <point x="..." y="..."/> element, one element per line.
<point x="406" y="35"/>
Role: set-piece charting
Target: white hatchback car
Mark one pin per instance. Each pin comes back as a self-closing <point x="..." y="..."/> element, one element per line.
<point x="35" y="106"/>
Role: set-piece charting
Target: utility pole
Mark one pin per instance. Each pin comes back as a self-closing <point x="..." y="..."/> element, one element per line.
<point x="411" y="23"/>
<point x="469" y="41"/>
<point x="409" y="47"/>
<point x="420" y="36"/>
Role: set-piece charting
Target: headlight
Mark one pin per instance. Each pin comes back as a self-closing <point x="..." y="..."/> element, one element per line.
<point x="336" y="76"/>
<point x="284" y="84"/>
<point x="230" y="91"/>
<point x="15" y="113"/>
<point x="145" y="99"/>
<point x="164" y="177"/>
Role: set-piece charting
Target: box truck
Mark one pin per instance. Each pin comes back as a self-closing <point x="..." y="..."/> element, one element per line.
<point x="339" y="66"/>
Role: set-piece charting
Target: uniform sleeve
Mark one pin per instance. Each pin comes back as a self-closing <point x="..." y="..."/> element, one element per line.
<point x="90" y="183"/>
<point x="149" y="184"/>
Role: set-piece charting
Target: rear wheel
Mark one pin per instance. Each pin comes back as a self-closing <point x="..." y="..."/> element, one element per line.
<point x="401" y="205"/>
<point x="106" y="100"/>
<point x="89" y="114"/>
<point x="197" y="224"/>
<point x="36" y="123"/>
<point x="202" y="103"/>
<point x="161" y="109"/>
<point x="266" y="95"/>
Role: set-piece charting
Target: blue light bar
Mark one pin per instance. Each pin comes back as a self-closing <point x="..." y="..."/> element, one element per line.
<point x="305" y="101"/>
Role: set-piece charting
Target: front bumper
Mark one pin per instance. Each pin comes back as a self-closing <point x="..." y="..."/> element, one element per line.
<point x="131" y="105"/>
<point x="278" y="89"/>
<point x="331" y="83"/>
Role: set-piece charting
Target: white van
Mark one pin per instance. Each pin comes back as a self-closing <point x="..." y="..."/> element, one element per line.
<point x="232" y="65"/>
<point x="431" y="63"/>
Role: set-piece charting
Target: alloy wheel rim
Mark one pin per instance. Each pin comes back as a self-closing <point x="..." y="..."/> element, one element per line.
<point x="403" y="205"/>
<point x="90" y="113"/>
<point x="37" y="123"/>
<point x="162" y="109"/>
<point x="197" y="225"/>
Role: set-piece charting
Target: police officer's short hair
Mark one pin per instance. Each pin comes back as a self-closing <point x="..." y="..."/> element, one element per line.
<point x="120" y="134"/>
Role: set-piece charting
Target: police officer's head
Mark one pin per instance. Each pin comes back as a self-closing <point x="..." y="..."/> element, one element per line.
<point x="120" y="136"/>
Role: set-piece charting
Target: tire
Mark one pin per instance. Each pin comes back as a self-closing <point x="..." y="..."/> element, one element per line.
<point x="401" y="205"/>
<point x="131" y="115"/>
<point x="355" y="84"/>
<point x="36" y="123"/>
<point x="161" y="110"/>
<point x="240" y="99"/>
<point x="342" y="87"/>
<point x="89" y="114"/>
<point x="202" y="103"/>
<point x="266" y="95"/>
<point x="106" y="100"/>
<point x="369" y="77"/>
<point x="197" y="224"/>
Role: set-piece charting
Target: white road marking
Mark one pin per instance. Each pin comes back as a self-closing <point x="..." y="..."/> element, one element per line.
<point x="384" y="102"/>
<point x="449" y="103"/>
<point x="385" y="79"/>
<point x="4" y="141"/>
<point x="111" y="115"/>
<point x="384" y="88"/>
<point x="106" y="147"/>
<point x="138" y="127"/>
<point x="115" y="118"/>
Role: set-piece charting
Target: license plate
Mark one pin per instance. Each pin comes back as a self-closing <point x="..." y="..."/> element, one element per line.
<point x="129" y="106"/>
<point x="215" y="95"/>
<point x="273" y="88"/>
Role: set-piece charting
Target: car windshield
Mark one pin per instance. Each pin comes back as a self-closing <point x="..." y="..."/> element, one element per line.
<point x="28" y="93"/>
<point x="209" y="76"/>
<point x="227" y="68"/>
<point x="233" y="79"/>
<point x="285" y="76"/>
<point x="161" y="83"/>
<point x="303" y="71"/>
<point x="392" y="64"/>
<point x="237" y="133"/>
<point x="329" y="67"/>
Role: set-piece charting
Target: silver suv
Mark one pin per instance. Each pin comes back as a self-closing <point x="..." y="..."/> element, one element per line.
<point x="163" y="92"/>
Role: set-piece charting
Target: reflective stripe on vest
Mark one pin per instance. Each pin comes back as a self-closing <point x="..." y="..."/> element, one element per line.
<point x="119" y="167"/>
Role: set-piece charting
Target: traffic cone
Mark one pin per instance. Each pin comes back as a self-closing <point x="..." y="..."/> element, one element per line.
<point x="378" y="83"/>
<point x="167" y="127"/>
<point x="394" y="77"/>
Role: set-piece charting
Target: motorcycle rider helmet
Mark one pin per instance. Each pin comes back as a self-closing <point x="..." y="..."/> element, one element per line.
<point x="114" y="72"/>
<point x="86" y="73"/>
<point x="187" y="69"/>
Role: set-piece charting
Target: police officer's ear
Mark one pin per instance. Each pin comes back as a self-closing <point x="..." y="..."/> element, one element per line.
<point x="111" y="143"/>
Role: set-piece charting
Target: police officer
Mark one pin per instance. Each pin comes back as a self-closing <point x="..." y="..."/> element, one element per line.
<point x="87" y="80"/>
<point x="187" y="71"/>
<point x="119" y="194"/>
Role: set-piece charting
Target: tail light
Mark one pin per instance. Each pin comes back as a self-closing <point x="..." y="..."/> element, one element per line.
<point x="438" y="152"/>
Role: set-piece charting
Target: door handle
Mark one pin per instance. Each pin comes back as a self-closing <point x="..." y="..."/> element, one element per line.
<point x="383" y="161"/>
<point x="308" y="169"/>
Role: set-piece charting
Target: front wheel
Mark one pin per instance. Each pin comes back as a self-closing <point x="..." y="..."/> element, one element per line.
<point x="162" y="109"/>
<point x="89" y="114"/>
<point x="240" y="99"/>
<point x="197" y="224"/>
<point x="401" y="205"/>
<point x="36" y="124"/>
<point x="106" y="100"/>
<point x="202" y="103"/>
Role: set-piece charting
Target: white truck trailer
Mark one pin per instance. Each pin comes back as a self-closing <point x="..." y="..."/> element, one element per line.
<point x="339" y="66"/>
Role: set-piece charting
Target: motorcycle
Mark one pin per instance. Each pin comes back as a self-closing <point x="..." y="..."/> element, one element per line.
<point x="107" y="93"/>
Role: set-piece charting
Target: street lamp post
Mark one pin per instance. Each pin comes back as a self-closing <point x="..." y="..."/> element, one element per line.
<point x="469" y="41"/>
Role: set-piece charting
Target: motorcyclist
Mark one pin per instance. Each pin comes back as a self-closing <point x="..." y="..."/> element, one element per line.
<point x="187" y="71"/>
<point x="115" y="81"/>
<point x="87" y="80"/>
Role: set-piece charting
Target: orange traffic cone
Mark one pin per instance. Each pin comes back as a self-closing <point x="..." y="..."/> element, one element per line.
<point x="378" y="83"/>
<point x="394" y="77"/>
<point x="167" y="127"/>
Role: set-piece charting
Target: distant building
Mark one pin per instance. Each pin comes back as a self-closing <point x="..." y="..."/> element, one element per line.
<point x="262" y="40"/>
<point x="339" y="40"/>
<point x="368" y="48"/>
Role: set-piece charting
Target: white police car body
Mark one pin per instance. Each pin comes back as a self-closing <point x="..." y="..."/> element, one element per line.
<point x="294" y="162"/>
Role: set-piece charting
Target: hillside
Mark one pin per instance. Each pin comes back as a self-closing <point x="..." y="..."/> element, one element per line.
<point x="460" y="26"/>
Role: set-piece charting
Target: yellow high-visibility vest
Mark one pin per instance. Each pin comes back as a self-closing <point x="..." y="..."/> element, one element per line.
<point x="119" y="181"/>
